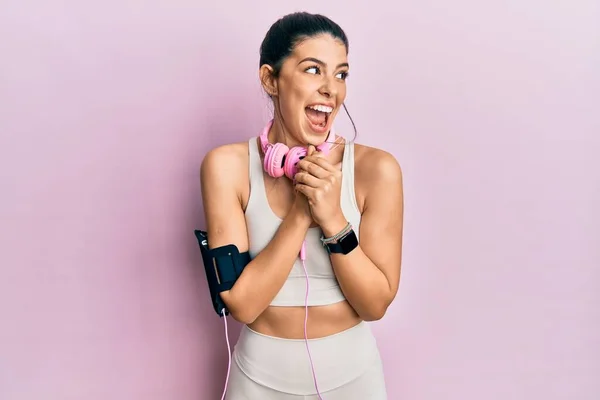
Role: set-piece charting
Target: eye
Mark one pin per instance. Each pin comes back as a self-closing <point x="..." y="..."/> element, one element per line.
<point x="313" y="68"/>
<point x="343" y="75"/>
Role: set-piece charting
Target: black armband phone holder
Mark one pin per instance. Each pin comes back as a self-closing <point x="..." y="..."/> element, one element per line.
<point x="223" y="266"/>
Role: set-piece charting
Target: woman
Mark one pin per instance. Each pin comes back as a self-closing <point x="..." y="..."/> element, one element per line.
<point x="336" y="193"/>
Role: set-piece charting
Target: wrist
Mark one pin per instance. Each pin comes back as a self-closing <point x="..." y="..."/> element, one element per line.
<point x="299" y="218"/>
<point x="334" y="225"/>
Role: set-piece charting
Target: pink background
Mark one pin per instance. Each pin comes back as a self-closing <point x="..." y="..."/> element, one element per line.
<point x="107" y="108"/>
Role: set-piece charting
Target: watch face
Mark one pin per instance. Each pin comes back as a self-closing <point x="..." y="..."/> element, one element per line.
<point x="349" y="242"/>
<point x="345" y="245"/>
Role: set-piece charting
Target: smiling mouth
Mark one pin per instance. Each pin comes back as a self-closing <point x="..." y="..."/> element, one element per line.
<point x="318" y="115"/>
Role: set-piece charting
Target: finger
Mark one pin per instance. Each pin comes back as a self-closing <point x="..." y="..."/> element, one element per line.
<point x="321" y="162"/>
<point x="318" y="153"/>
<point x="307" y="179"/>
<point x="307" y="191"/>
<point x="310" y="150"/>
<point x="313" y="168"/>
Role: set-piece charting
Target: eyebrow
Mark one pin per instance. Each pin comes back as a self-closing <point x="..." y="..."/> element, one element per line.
<point x="317" y="61"/>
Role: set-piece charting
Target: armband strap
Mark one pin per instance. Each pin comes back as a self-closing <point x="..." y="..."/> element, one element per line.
<point x="223" y="266"/>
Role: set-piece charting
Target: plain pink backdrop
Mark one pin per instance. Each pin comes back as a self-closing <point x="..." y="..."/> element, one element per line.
<point x="107" y="109"/>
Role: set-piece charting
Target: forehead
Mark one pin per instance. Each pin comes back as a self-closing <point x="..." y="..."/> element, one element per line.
<point x="323" y="47"/>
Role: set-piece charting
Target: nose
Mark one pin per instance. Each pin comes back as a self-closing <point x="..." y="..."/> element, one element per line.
<point x="327" y="89"/>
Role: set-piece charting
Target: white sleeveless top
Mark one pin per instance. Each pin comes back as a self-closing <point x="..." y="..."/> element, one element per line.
<point x="262" y="223"/>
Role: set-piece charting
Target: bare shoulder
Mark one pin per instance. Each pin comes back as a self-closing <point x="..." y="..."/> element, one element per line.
<point x="225" y="164"/>
<point x="374" y="167"/>
<point x="223" y="174"/>
<point x="225" y="159"/>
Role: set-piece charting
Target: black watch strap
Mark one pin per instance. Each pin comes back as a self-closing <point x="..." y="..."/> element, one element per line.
<point x="343" y="245"/>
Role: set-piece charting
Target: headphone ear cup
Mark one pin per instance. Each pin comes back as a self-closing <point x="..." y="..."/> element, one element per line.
<point x="293" y="157"/>
<point x="274" y="157"/>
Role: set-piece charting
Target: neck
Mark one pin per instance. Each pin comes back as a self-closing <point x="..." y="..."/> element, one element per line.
<point x="279" y="134"/>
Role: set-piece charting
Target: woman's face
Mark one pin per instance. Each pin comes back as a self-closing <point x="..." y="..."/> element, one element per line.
<point x="310" y="89"/>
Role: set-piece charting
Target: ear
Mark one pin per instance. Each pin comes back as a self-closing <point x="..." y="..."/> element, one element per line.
<point x="268" y="80"/>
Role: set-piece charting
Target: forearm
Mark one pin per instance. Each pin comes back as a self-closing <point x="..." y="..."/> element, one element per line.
<point x="264" y="276"/>
<point x="364" y="285"/>
<point x="369" y="274"/>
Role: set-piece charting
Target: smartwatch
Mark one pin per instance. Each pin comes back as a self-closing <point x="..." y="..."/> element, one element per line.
<point x="344" y="244"/>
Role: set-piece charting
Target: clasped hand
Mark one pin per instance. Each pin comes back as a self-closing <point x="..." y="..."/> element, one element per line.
<point x="321" y="183"/>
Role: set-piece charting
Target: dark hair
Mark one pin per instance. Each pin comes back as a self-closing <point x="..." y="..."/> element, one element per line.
<point x="289" y="31"/>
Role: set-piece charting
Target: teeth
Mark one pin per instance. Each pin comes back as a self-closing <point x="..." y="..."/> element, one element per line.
<point x="321" y="108"/>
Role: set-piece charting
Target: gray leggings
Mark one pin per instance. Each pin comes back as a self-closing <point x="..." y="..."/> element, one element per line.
<point x="347" y="367"/>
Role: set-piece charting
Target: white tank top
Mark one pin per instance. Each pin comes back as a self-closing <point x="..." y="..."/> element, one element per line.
<point x="262" y="223"/>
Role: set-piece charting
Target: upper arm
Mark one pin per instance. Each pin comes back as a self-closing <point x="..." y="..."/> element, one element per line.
<point x="381" y="224"/>
<point x="221" y="181"/>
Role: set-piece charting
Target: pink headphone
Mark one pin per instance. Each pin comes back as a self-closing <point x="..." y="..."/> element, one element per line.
<point x="280" y="159"/>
